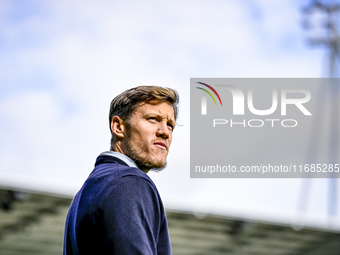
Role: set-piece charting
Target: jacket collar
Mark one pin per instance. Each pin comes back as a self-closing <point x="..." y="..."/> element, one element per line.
<point x="113" y="156"/>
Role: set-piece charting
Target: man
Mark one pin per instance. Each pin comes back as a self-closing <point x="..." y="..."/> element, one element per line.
<point x="118" y="210"/>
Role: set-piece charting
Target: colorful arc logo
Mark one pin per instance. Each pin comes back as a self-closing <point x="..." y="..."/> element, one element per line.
<point x="210" y="93"/>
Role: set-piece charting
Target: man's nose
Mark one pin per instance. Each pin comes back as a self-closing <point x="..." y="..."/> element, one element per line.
<point x="163" y="130"/>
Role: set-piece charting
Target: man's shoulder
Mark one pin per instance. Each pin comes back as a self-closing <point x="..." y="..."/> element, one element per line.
<point x="116" y="170"/>
<point x="111" y="171"/>
<point x="112" y="180"/>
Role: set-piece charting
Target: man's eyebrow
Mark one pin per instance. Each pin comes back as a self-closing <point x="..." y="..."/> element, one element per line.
<point x="159" y="114"/>
<point x="163" y="117"/>
<point x="172" y="122"/>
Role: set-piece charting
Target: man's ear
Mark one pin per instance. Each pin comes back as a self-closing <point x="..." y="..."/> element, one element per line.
<point x="118" y="126"/>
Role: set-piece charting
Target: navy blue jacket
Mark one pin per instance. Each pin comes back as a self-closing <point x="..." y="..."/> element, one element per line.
<point x="117" y="211"/>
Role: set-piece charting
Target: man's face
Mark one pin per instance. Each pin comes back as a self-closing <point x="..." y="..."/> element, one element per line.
<point x="149" y="134"/>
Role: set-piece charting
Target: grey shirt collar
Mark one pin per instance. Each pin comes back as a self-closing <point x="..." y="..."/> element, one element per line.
<point x="121" y="156"/>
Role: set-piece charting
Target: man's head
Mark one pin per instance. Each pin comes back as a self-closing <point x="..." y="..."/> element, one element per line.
<point x="141" y="122"/>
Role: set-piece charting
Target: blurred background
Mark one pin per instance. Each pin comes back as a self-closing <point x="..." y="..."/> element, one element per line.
<point x="61" y="64"/>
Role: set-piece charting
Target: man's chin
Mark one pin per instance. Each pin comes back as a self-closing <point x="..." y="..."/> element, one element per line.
<point x="147" y="165"/>
<point x="155" y="167"/>
<point x="158" y="168"/>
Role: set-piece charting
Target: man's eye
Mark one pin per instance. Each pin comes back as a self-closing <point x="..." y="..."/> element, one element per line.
<point x="171" y="127"/>
<point x="152" y="119"/>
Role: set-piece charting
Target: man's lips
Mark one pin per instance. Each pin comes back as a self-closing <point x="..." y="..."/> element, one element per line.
<point x="161" y="145"/>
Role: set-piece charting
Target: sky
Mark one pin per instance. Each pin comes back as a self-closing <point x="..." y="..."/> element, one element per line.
<point x="62" y="62"/>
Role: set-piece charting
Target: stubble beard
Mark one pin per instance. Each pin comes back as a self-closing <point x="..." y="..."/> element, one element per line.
<point x="143" y="163"/>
